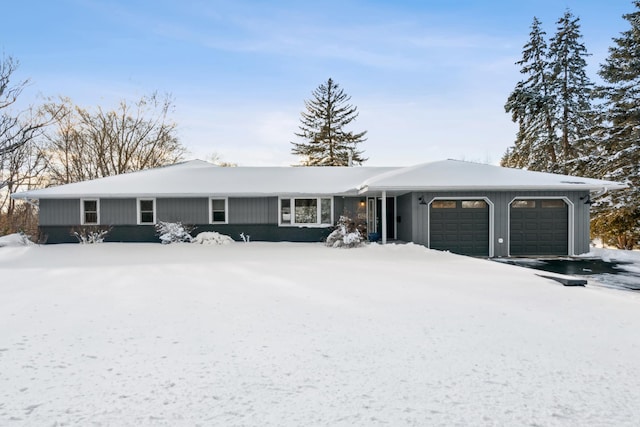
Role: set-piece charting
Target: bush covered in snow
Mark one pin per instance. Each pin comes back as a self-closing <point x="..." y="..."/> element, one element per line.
<point x="16" y="239"/>
<point x="345" y="235"/>
<point x="89" y="235"/>
<point x="212" y="238"/>
<point x="173" y="232"/>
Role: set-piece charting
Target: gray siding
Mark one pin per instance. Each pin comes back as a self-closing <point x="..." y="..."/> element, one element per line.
<point x="59" y="212"/>
<point x="185" y="210"/>
<point x="350" y="206"/>
<point x="501" y="202"/>
<point x="404" y="217"/>
<point x="257" y="210"/>
<point x="117" y="211"/>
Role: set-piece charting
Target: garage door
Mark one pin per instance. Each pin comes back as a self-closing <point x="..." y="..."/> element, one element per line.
<point x="539" y="227"/>
<point x="459" y="226"/>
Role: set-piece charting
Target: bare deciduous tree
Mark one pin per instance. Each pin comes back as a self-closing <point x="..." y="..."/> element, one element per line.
<point x="20" y="162"/>
<point x="16" y="128"/>
<point x="86" y="144"/>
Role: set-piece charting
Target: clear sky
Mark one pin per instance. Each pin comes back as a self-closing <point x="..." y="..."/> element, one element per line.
<point x="429" y="78"/>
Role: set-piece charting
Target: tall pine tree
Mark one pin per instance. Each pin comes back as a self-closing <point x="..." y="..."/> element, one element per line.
<point x="571" y="89"/>
<point x="532" y="106"/>
<point x="322" y="126"/>
<point x="617" y="217"/>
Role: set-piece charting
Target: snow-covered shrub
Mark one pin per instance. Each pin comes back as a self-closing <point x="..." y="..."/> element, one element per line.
<point x="345" y="235"/>
<point x="16" y="239"/>
<point x="212" y="238"/>
<point x="245" y="237"/>
<point x="89" y="235"/>
<point x="173" y="232"/>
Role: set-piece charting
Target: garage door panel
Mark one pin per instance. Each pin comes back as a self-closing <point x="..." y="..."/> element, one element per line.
<point x="539" y="229"/>
<point x="466" y="230"/>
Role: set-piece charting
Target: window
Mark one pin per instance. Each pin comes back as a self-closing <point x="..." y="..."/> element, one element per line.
<point x="552" y="203"/>
<point x="218" y="211"/>
<point x="89" y="211"/>
<point x="146" y="211"/>
<point x="523" y="204"/>
<point x="443" y="204"/>
<point x="325" y="211"/>
<point x="474" y="204"/>
<point x="285" y="211"/>
<point x="306" y="211"/>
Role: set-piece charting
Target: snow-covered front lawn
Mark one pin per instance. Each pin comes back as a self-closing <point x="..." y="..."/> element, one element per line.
<point x="284" y="334"/>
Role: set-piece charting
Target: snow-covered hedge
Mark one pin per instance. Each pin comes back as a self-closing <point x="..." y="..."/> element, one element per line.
<point x="345" y="235"/>
<point x="212" y="238"/>
<point x="90" y="235"/>
<point x="173" y="232"/>
<point x="16" y="239"/>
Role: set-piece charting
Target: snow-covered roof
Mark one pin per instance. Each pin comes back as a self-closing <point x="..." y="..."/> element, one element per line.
<point x="197" y="178"/>
<point x="462" y="175"/>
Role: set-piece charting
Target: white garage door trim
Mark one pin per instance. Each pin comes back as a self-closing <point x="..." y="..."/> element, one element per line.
<point x="570" y="220"/>
<point x="491" y="218"/>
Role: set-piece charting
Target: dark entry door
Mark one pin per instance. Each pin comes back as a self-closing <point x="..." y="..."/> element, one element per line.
<point x="459" y="226"/>
<point x="539" y="227"/>
<point x="391" y="215"/>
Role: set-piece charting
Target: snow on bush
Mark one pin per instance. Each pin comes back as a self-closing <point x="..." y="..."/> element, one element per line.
<point x="345" y="235"/>
<point x="173" y="232"/>
<point x="90" y="235"/>
<point x="16" y="239"/>
<point x="212" y="238"/>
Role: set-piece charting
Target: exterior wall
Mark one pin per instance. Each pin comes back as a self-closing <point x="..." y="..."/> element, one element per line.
<point x="59" y="212"/>
<point x="259" y="210"/>
<point x="501" y="203"/>
<point x="350" y="206"/>
<point x="187" y="210"/>
<point x="117" y="211"/>
<point x="257" y="217"/>
<point x="147" y="233"/>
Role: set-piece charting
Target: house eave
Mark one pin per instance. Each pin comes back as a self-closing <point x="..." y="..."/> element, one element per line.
<point x="419" y="188"/>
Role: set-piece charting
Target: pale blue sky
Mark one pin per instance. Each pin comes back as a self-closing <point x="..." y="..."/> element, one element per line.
<point x="429" y="78"/>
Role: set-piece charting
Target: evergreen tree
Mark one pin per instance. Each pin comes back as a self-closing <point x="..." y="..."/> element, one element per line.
<point x="327" y="143"/>
<point x="618" y="215"/>
<point x="532" y="106"/>
<point x="572" y="92"/>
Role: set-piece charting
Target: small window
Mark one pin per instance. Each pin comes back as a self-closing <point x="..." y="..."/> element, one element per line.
<point x="523" y="204"/>
<point x="443" y="204"/>
<point x="146" y="211"/>
<point x="90" y="211"/>
<point x="552" y="203"/>
<point x="474" y="204"/>
<point x="325" y="211"/>
<point x="219" y="211"/>
<point x="285" y="211"/>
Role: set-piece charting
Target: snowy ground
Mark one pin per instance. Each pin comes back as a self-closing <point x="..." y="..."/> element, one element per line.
<point x="268" y="334"/>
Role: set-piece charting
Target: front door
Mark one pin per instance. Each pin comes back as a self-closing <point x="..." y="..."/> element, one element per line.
<point x="374" y="216"/>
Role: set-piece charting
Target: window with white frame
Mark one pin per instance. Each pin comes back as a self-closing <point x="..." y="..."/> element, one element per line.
<point x="218" y="211"/>
<point x="306" y="211"/>
<point x="146" y="211"/>
<point x="90" y="211"/>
